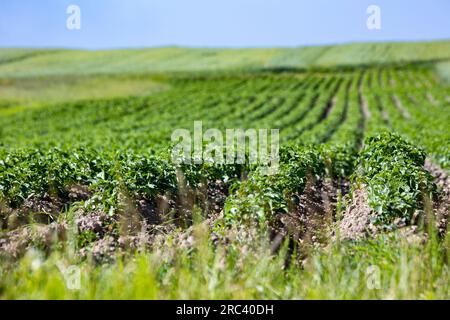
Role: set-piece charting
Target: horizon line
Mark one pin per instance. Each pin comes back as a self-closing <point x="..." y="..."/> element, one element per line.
<point x="224" y="47"/>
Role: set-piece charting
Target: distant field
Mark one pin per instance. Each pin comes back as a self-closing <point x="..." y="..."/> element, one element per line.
<point x="86" y="176"/>
<point x="443" y="69"/>
<point x="26" y="63"/>
<point x="48" y="90"/>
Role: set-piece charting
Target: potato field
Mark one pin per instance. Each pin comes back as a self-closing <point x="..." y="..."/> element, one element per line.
<point x="87" y="179"/>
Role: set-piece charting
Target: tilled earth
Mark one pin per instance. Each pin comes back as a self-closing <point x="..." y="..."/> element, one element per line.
<point x="312" y="219"/>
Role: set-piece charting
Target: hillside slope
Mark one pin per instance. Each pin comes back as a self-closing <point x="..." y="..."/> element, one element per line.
<point x="28" y="62"/>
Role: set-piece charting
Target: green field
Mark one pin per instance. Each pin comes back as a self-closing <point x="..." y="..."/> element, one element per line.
<point x="86" y="177"/>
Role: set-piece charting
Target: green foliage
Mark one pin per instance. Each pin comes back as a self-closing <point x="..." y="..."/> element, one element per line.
<point x="26" y="62"/>
<point x="26" y="172"/>
<point x="263" y="196"/>
<point x="392" y="171"/>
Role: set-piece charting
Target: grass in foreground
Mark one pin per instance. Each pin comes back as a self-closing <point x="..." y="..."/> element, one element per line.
<point x="388" y="267"/>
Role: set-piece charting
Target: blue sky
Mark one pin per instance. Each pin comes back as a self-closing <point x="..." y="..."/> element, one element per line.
<point x="217" y="23"/>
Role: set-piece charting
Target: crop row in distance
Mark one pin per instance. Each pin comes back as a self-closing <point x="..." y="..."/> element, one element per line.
<point x="316" y="107"/>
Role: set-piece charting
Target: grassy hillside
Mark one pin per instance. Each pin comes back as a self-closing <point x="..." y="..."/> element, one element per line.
<point x="46" y="90"/>
<point x="26" y="63"/>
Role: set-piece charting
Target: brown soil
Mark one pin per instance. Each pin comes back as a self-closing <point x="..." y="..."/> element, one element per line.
<point x="152" y="222"/>
<point x="15" y="243"/>
<point x="37" y="210"/>
<point x="156" y="209"/>
<point x="96" y="222"/>
<point x="441" y="207"/>
<point x="79" y="192"/>
<point x="102" y="250"/>
<point x="400" y="107"/>
<point x="364" y="107"/>
<point x="311" y="216"/>
<point x="42" y="210"/>
<point x="357" y="219"/>
<point x="385" y="116"/>
<point x="209" y="197"/>
<point x="362" y="101"/>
